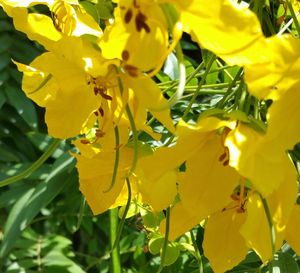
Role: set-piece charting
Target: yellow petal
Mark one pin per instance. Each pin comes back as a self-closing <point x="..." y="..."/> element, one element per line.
<point x="285" y="134"/>
<point x="38" y="27"/>
<point x="271" y="79"/>
<point x="159" y="193"/>
<point x="150" y="98"/>
<point x="181" y="221"/>
<point x="230" y="31"/>
<point x="258" y="157"/>
<point x="139" y="35"/>
<point x="223" y="245"/>
<point x="206" y="173"/>
<point x="293" y="228"/>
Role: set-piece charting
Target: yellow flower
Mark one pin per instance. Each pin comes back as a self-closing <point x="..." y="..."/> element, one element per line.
<point x="78" y="86"/>
<point x="95" y="165"/>
<point x="68" y="18"/>
<point x="229" y="30"/>
<point x="293" y="228"/>
<point x="138" y="36"/>
<point x="206" y="184"/>
<point x="206" y="163"/>
<point x="263" y="158"/>
<point x="272" y="78"/>
<point x="243" y="224"/>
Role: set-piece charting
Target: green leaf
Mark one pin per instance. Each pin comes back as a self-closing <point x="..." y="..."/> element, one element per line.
<point x="2" y="98"/>
<point x="4" y="60"/>
<point x="5" y="26"/>
<point x="105" y="9"/>
<point x="12" y="195"/>
<point x="42" y="142"/>
<point x="285" y="262"/>
<point x="5" y="42"/>
<point x="29" y="205"/>
<point x="91" y="10"/>
<point x="22" y="104"/>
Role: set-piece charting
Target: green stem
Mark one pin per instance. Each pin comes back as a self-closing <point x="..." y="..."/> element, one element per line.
<point x="115" y="255"/>
<point x="231" y="92"/>
<point x="197" y="252"/>
<point x="117" y="159"/>
<point x="237" y="98"/>
<point x="122" y="222"/>
<point x="135" y="140"/>
<point x="81" y="211"/>
<point x="271" y="227"/>
<point x="295" y="20"/>
<point x="197" y="91"/>
<point x="134" y="133"/>
<point x="33" y="167"/>
<point x="166" y="240"/>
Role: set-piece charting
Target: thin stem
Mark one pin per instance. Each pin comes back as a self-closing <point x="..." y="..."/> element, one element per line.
<point x="134" y="133"/>
<point x="197" y="252"/>
<point x="135" y="140"/>
<point x="197" y="91"/>
<point x="270" y="222"/>
<point x="294" y="17"/>
<point x="230" y="93"/>
<point x="115" y="255"/>
<point x="166" y="240"/>
<point x="117" y="159"/>
<point x="121" y="225"/>
<point x="33" y="167"/>
<point x="81" y="211"/>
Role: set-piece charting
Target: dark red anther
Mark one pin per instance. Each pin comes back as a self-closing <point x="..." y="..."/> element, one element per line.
<point x="226" y="162"/>
<point x="140" y="23"/>
<point x="101" y="111"/>
<point x="128" y="16"/>
<point x="132" y="70"/>
<point x="222" y="156"/>
<point x="125" y="55"/>
<point x="84" y="141"/>
<point x="101" y="91"/>
<point x="99" y="133"/>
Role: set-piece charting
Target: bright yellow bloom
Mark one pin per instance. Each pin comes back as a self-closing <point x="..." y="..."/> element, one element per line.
<point x="293" y="229"/>
<point x="138" y="36"/>
<point x="68" y="18"/>
<point x="243" y="224"/>
<point x="223" y="244"/>
<point x="78" y="86"/>
<point x="95" y="165"/>
<point x="206" y="162"/>
<point x="272" y="78"/>
<point x="229" y="30"/>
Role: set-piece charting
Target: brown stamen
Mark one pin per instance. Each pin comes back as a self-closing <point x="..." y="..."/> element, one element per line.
<point x="226" y="163"/>
<point x="99" y="133"/>
<point x="125" y="55"/>
<point x="132" y="70"/>
<point x="101" y="111"/>
<point x="128" y="16"/>
<point x="140" y="23"/>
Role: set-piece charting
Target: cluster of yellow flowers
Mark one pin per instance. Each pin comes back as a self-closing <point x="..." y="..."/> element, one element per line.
<point x="96" y="87"/>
